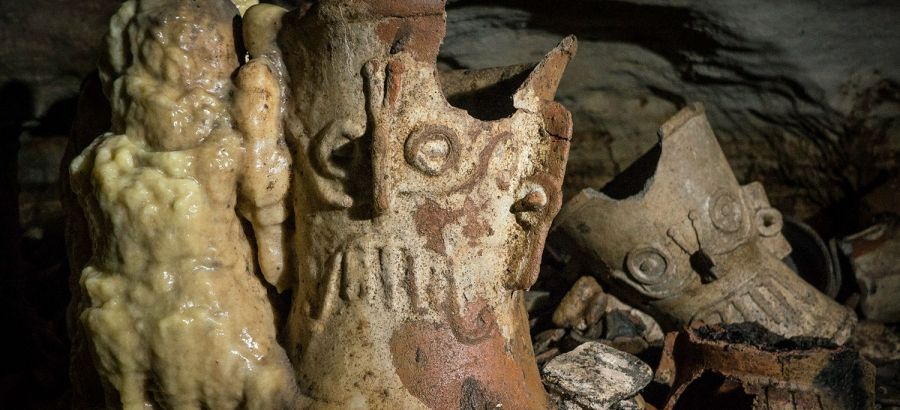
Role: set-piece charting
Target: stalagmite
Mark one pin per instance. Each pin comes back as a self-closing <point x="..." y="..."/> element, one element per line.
<point x="175" y="314"/>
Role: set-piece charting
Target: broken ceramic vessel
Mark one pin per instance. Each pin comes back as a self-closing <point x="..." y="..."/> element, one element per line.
<point x="170" y="304"/>
<point x="676" y="235"/>
<point x="418" y="225"/>
<point x="742" y="366"/>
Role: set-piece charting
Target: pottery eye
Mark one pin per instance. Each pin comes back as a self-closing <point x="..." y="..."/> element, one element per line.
<point x="726" y="212"/>
<point x="432" y="150"/>
<point x="648" y="264"/>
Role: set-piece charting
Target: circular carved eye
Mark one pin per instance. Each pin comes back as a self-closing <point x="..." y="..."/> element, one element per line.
<point x="432" y="149"/>
<point x="648" y="264"/>
<point x="768" y="221"/>
<point x="726" y="212"/>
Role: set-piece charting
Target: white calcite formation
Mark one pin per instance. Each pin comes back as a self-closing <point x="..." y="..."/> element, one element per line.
<point x="171" y="303"/>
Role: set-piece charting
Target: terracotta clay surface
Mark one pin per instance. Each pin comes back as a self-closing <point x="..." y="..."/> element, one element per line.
<point x="418" y="224"/>
<point x="676" y="235"/>
<point x="744" y="366"/>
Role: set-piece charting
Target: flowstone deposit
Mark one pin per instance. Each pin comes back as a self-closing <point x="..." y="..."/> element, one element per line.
<point x="676" y="235"/>
<point x="172" y="308"/>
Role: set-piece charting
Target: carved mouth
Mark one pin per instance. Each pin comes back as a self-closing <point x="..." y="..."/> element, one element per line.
<point x="406" y="283"/>
<point x="777" y="301"/>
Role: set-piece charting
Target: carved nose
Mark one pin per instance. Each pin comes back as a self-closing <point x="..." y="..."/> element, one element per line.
<point x="534" y="201"/>
<point x="530" y="208"/>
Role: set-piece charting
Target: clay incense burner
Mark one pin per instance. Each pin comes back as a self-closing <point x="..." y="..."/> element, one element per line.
<point x="678" y="236"/>
<point x="418" y="224"/>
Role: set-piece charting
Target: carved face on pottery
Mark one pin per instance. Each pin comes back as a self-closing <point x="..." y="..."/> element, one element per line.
<point x="680" y="236"/>
<point x="418" y="224"/>
<point x="327" y="46"/>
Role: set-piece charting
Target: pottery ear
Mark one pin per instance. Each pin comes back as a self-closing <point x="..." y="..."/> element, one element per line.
<point x="544" y="79"/>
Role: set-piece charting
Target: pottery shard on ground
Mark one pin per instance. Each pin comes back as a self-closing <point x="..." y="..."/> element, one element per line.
<point x="577" y="303"/>
<point x="596" y="376"/>
<point x="744" y="365"/>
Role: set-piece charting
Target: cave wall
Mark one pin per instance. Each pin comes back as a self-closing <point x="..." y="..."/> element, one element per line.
<point x="803" y="95"/>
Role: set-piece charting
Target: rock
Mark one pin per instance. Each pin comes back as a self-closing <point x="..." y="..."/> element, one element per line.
<point x="571" y="310"/>
<point x="875" y="257"/>
<point x="887" y="380"/>
<point x="628" y="344"/>
<point x="634" y="403"/>
<point x="620" y="323"/>
<point x="546" y="356"/>
<point x="596" y="309"/>
<point x="595" y="376"/>
<point x="876" y="342"/>
<point x="536" y="301"/>
<point x="653" y="333"/>
<point x="543" y="340"/>
<point x="880" y="345"/>
<point x="885" y="199"/>
<point x="573" y="339"/>
<point x="39" y="206"/>
<point x="595" y="331"/>
<point x="46" y="51"/>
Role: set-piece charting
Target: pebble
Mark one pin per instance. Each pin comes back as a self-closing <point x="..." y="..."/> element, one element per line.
<point x="596" y="376"/>
<point x="546" y="356"/>
<point x="572" y="309"/>
<point x="536" y="301"/>
<point x="543" y="340"/>
<point x="619" y="323"/>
